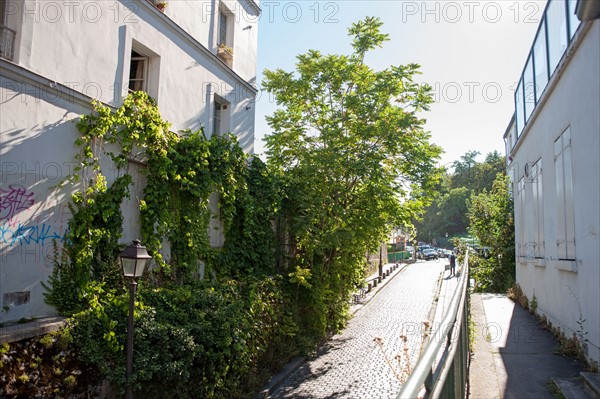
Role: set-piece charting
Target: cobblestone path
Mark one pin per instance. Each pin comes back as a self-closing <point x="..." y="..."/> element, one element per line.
<point x="352" y="364"/>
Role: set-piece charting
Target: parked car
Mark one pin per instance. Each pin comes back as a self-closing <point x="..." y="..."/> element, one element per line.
<point x="422" y="248"/>
<point x="441" y="252"/>
<point x="429" y="254"/>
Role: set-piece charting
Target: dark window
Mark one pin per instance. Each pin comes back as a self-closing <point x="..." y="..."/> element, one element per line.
<point x="138" y="72"/>
<point x="222" y="28"/>
<point x="217" y="118"/>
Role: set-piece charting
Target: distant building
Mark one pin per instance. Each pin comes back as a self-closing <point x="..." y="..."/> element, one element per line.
<point x="553" y="155"/>
<point x="196" y="58"/>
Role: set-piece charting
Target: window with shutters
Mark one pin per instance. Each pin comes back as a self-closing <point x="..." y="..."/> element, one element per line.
<point x="565" y="218"/>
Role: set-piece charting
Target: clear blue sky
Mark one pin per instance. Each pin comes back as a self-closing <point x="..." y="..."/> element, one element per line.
<point x="470" y="52"/>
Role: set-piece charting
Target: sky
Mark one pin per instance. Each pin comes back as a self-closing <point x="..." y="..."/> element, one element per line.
<point x="471" y="52"/>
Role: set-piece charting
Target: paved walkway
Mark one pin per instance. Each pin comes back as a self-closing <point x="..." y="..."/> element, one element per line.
<point x="370" y="358"/>
<point x="513" y="356"/>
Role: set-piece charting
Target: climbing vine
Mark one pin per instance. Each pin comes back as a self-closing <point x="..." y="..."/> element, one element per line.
<point x="221" y="327"/>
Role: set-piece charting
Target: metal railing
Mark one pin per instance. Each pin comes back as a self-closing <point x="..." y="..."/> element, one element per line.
<point x="442" y="370"/>
<point x="7" y="42"/>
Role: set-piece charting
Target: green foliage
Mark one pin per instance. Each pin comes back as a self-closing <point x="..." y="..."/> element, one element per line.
<point x="176" y="197"/>
<point x="448" y="213"/>
<point x="199" y="340"/>
<point x="250" y="226"/>
<point x="217" y="336"/>
<point x="193" y="339"/>
<point x="533" y="303"/>
<point x="491" y="222"/>
<point x="346" y="143"/>
<point x="92" y="245"/>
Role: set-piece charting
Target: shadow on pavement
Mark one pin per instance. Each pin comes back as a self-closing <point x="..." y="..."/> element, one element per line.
<point x="522" y="353"/>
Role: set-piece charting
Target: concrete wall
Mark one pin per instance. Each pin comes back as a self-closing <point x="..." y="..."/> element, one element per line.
<point x="68" y="53"/>
<point x="565" y="289"/>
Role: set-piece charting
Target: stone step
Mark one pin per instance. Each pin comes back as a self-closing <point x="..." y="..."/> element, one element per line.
<point x="571" y="388"/>
<point x="586" y="386"/>
<point x="592" y="384"/>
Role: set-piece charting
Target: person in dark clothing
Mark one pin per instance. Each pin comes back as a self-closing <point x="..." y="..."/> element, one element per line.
<point x="452" y="264"/>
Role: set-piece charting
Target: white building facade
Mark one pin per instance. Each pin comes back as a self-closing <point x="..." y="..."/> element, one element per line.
<point x="196" y="58"/>
<point x="553" y="155"/>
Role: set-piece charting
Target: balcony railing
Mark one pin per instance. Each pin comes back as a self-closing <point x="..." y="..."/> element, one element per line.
<point x="554" y="35"/>
<point x="7" y="42"/>
<point x="443" y="367"/>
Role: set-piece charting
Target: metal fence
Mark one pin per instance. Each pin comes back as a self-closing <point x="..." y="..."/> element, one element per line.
<point x="398" y="256"/>
<point x="442" y="370"/>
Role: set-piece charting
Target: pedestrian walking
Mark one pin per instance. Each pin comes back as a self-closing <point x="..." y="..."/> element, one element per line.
<point x="452" y="264"/>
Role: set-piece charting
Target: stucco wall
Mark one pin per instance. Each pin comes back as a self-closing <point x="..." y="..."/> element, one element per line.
<point x="36" y="156"/>
<point x="66" y="54"/>
<point x="565" y="290"/>
<point x="86" y="46"/>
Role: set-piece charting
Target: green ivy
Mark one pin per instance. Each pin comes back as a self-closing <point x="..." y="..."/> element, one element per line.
<point x="210" y="338"/>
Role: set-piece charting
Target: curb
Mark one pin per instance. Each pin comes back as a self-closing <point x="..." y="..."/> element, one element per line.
<point x="32" y="329"/>
<point x="278" y="378"/>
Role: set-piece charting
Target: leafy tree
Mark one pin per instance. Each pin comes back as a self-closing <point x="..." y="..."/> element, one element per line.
<point x="355" y="159"/>
<point x="448" y="212"/>
<point x="491" y="221"/>
<point x="466" y="162"/>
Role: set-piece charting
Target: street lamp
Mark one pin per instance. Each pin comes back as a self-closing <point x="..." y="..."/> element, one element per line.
<point x="133" y="262"/>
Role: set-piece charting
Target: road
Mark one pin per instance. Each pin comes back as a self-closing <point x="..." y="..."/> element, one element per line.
<point x="370" y="357"/>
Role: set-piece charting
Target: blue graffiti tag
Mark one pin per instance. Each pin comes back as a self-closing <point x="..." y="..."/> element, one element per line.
<point x="26" y="235"/>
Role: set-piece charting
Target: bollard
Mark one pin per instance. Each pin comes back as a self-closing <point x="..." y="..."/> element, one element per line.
<point x="369" y="287"/>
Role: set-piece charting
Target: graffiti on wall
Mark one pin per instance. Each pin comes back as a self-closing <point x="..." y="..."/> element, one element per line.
<point x="31" y="234"/>
<point x="26" y="232"/>
<point x="13" y="201"/>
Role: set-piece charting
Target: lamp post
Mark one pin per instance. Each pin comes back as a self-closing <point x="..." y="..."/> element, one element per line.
<point x="133" y="262"/>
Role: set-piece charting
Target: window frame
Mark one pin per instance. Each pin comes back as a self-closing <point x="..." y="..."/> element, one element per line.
<point x="565" y="209"/>
<point x="223" y="28"/>
<point x="145" y="63"/>
<point x="217" y="117"/>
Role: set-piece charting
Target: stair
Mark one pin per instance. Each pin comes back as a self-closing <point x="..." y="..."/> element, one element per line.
<point x="585" y="386"/>
<point x="592" y="384"/>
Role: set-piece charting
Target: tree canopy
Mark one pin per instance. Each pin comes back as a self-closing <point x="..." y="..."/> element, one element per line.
<point x="448" y="213"/>
<point x="491" y="221"/>
<point x="353" y="153"/>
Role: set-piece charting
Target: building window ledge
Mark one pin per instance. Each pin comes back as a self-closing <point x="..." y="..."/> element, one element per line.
<point x="225" y="52"/>
<point x="567" y="265"/>
<point x="537" y="262"/>
<point x="522" y="260"/>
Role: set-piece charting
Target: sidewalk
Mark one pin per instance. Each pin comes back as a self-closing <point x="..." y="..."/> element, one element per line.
<point x="513" y="356"/>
